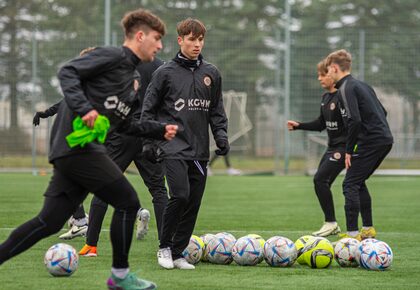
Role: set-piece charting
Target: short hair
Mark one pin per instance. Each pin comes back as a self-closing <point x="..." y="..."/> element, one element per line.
<point x="141" y="19"/>
<point x="340" y="57"/>
<point x="190" y="25"/>
<point x="86" y="50"/>
<point x="322" y="67"/>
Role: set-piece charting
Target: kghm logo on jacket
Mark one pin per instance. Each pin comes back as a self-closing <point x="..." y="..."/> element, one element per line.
<point x="120" y="108"/>
<point x="192" y="104"/>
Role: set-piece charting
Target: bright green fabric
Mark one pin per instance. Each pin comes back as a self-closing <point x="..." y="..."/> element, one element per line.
<point x="83" y="135"/>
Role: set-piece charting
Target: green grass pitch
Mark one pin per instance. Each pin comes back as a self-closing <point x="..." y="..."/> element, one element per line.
<point x="241" y="205"/>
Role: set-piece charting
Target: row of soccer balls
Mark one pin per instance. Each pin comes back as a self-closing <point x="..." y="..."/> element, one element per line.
<point x="62" y="259"/>
<point x="278" y="251"/>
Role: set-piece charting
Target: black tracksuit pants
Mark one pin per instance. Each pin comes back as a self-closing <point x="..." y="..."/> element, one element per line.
<point x="124" y="149"/>
<point x="186" y="180"/>
<point x="73" y="178"/>
<point x="357" y="198"/>
<point x="331" y="164"/>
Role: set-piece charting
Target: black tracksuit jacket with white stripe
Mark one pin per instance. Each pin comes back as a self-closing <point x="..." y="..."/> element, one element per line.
<point x="102" y="80"/>
<point x="364" y="114"/>
<point x="192" y="99"/>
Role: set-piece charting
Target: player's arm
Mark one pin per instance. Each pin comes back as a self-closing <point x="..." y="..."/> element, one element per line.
<point x="51" y="111"/>
<point x="218" y="120"/>
<point x="78" y="69"/>
<point x="315" y="125"/>
<point x="354" y="121"/>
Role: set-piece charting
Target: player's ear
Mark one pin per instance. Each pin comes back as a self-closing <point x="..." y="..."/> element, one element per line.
<point x="140" y="35"/>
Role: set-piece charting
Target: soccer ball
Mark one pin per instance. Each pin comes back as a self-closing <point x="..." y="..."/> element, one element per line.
<point x="318" y="253"/>
<point x="219" y="249"/>
<point x="375" y="255"/>
<point x="194" y="251"/>
<point x="300" y="244"/>
<point x="61" y="260"/>
<point x="225" y="234"/>
<point x="206" y="238"/>
<point x="279" y="252"/>
<point x="345" y="252"/>
<point x="261" y="241"/>
<point x="247" y="251"/>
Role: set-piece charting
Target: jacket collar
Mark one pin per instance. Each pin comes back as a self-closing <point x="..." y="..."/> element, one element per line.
<point x="131" y="56"/>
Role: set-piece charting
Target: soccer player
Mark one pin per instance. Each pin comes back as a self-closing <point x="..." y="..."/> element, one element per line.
<point x="123" y="149"/>
<point x="369" y="140"/>
<point x="107" y="78"/>
<point x="186" y="91"/>
<point x="230" y="170"/>
<point x="332" y="162"/>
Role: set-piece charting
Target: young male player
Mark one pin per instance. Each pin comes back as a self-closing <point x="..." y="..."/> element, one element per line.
<point x="369" y="140"/>
<point x="186" y="91"/>
<point x="332" y="162"/>
<point x="123" y="149"/>
<point x="98" y="83"/>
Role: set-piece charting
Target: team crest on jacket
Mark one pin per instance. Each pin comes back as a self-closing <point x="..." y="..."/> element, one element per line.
<point x="207" y="81"/>
<point x="332" y="106"/>
<point x="337" y="155"/>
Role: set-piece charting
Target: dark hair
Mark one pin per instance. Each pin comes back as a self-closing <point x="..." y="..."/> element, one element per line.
<point x="141" y="19"/>
<point x="322" y="67"/>
<point x="189" y="25"/>
<point x="340" y="57"/>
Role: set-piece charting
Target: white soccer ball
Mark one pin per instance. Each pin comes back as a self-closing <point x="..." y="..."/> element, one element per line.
<point x="61" y="260"/>
<point x="345" y="252"/>
<point x="280" y="252"/>
<point x="247" y="251"/>
<point x="375" y="255"/>
<point x="194" y="251"/>
<point x="206" y="239"/>
<point x="261" y="241"/>
<point x="219" y="249"/>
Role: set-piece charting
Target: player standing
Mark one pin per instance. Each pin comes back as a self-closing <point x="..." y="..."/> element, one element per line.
<point x="332" y="162"/>
<point x="186" y="91"/>
<point x="369" y="140"/>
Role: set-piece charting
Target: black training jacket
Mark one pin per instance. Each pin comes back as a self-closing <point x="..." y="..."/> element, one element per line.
<point x="192" y="99"/>
<point x="364" y="114"/>
<point x="103" y="80"/>
<point x="330" y="119"/>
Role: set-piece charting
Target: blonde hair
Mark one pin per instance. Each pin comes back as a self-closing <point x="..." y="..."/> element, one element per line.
<point x="322" y="67"/>
<point x="340" y="57"/>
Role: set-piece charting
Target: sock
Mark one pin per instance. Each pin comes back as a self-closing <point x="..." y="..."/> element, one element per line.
<point x="352" y="233"/>
<point x="366" y="228"/>
<point x="120" y="272"/>
<point x="80" y="222"/>
<point x="331" y="223"/>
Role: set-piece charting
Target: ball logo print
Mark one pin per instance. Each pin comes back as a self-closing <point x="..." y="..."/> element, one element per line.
<point x="179" y="104"/>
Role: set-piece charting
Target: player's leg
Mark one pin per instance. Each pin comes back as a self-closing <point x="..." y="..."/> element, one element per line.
<point x="78" y="224"/>
<point x="363" y="164"/>
<point x="197" y="180"/>
<point x="97" y="213"/>
<point x="331" y="164"/>
<point x="179" y="189"/>
<point x="61" y="199"/>
<point x="99" y="174"/>
<point x="153" y="177"/>
<point x="119" y="148"/>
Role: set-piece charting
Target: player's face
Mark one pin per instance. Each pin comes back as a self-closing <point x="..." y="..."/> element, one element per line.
<point x="148" y="44"/>
<point x="333" y="71"/>
<point x="191" y="46"/>
<point x="325" y="80"/>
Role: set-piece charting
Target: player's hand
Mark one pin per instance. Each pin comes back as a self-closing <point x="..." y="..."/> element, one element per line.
<point x="37" y="116"/>
<point x="223" y="146"/>
<point x="291" y="125"/>
<point x="90" y="118"/>
<point x="151" y="153"/>
<point x="170" y="132"/>
<point x="347" y="161"/>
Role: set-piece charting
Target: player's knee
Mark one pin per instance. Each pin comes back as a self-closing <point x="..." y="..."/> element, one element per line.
<point x="51" y="226"/>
